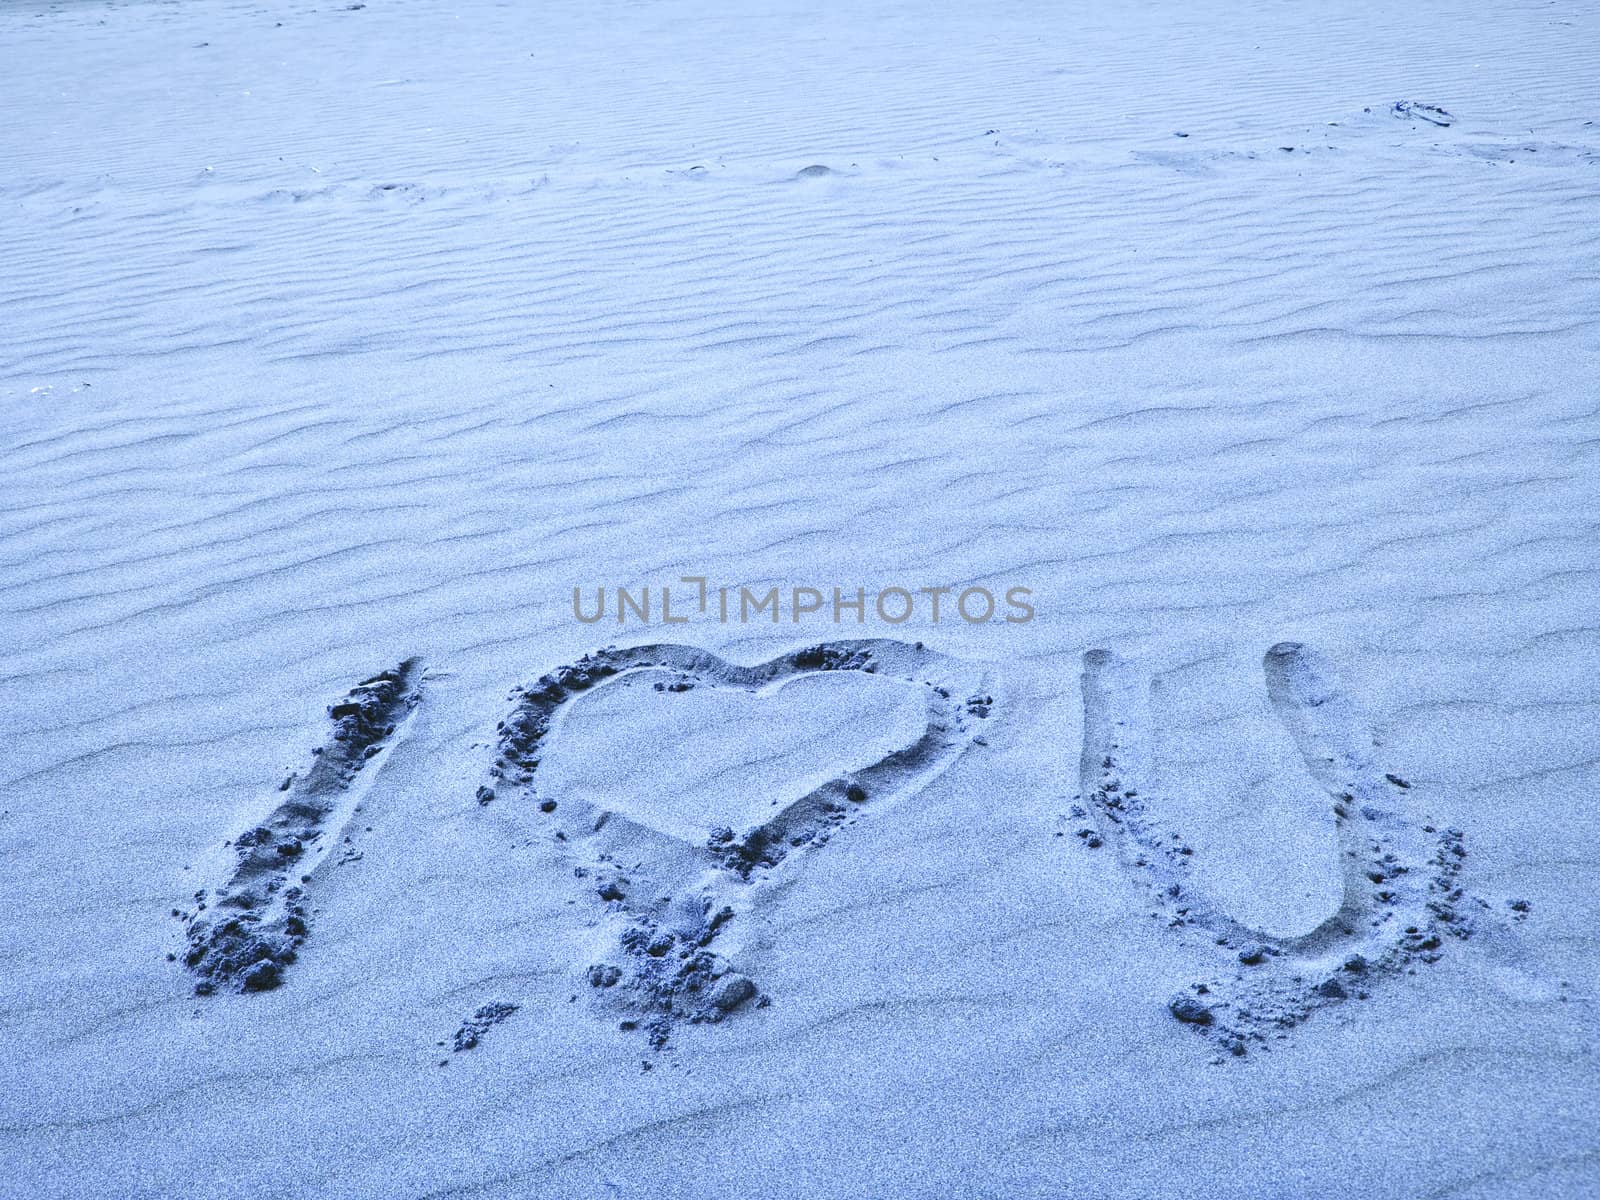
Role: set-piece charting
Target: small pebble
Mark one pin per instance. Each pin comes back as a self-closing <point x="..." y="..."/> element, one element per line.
<point x="731" y="991"/>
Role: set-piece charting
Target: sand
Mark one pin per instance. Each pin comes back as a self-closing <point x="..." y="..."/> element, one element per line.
<point x="1256" y="342"/>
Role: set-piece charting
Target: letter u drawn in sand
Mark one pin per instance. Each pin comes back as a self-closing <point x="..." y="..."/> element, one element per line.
<point x="1399" y="904"/>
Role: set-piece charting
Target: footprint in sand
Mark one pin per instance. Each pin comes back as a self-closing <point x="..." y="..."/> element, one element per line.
<point x="681" y="783"/>
<point x="244" y="933"/>
<point x="1399" y="901"/>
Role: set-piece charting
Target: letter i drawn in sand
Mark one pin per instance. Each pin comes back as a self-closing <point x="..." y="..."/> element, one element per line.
<point x="243" y="934"/>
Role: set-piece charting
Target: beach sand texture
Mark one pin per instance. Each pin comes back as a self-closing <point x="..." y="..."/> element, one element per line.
<point x="339" y="343"/>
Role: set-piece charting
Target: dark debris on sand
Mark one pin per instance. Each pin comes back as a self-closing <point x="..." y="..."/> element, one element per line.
<point x="667" y="976"/>
<point x="484" y="1019"/>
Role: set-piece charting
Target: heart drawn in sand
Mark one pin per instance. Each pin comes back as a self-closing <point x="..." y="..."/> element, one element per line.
<point x="679" y="742"/>
<point x="684" y="762"/>
<point x="676" y="781"/>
